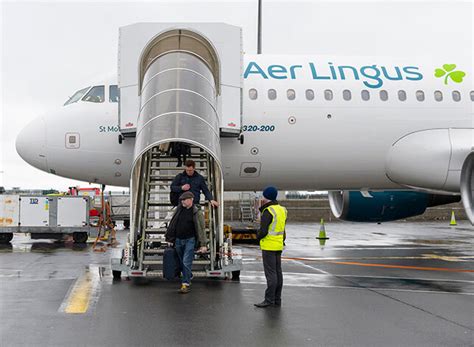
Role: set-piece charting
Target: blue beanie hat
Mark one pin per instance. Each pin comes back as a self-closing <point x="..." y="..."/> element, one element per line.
<point x="270" y="193"/>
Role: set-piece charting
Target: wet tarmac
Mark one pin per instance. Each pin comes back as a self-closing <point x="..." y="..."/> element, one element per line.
<point x="395" y="284"/>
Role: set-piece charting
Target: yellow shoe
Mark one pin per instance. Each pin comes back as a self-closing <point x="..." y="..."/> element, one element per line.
<point x="184" y="288"/>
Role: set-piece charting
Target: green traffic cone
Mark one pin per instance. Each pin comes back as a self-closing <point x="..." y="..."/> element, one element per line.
<point x="322" y="231"/>
<point x="453" y="219"/>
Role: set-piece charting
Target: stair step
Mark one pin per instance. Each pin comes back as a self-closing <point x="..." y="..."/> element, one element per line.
<point x="170" y="168"/>
<point x="167" y="177"/>
<point x="172" y="160"/>
<point x="161" y="190"/>
<point x="159" y="273"/>
<point x="157" y="239"/>
<point x="156" y="178"/>
<point x="158" y="203"/>
<point x="160" y="262"/>
<point x="157" y="220"/>
<point x="152" y="262"/>
<point x="153" y="251"/>
<point x="155" y="230"/>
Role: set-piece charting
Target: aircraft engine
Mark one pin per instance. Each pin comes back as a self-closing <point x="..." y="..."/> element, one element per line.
<point x="385" y="206"/>
<point x="467" y="186"/>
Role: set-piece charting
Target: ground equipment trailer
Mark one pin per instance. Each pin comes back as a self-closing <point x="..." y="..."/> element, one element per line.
<point x="119" y="208"/>
<point x="179" y="82"/>
<point x="44" y="216"/>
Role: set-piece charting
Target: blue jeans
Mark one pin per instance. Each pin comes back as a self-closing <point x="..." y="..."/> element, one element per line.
<point x="185" y="251"/>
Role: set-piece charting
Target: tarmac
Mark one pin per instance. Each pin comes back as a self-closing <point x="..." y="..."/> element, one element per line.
<point x="394" y="284"/>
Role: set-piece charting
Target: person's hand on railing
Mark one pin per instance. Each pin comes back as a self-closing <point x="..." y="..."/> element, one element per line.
<point x="202" y="249"/>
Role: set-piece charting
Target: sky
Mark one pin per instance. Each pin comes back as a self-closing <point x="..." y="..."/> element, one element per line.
<point x="51" y="49"/>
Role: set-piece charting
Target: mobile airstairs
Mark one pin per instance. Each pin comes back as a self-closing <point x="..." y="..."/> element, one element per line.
<point x="182" y="82"/>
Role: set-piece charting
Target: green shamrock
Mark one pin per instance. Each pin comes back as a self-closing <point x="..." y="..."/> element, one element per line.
<point x="448" y="70"/>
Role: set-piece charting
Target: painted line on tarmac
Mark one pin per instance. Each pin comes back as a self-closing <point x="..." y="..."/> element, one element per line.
<point x="408" y="267"/>
<point x="409" y="278"/>
<point x="362" y="248"/>
<point x="302" y="283"/>
<point x="83" y="294"/>
<point x="310" y="267"/>
<point x="421" y="257"/>
<point x="316" y="275"/>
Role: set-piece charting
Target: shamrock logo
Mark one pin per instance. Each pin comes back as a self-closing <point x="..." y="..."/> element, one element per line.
<point x="448" y="70"/>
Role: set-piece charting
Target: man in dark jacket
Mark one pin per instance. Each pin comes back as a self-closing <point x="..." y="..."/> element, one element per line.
<point x="272" y="237"/>
<point x="190" y="180"/>
<point x="187" y="231"/>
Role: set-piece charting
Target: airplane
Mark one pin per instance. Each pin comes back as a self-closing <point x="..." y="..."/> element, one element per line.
<point x="387" y="137"/>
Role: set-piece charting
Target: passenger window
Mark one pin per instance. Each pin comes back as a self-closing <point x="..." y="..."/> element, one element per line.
<point x="328" y="94"/>
<point x="438" y="95"/>
<point x="346" y="94"/>
<point x="365" y="94"/>
<point x="253" y="94"/>
<point x="272" y="94"/>
<point x="76" y="96"/>
<point x="383" y="95"/>
<point x="402" y="95"/>
<point x="309" y="94"/>
<point x="456" y="96"/>
<point x="96" y="94"/>
<point x="472" y="95"/>
<point x="420" y="95"/>
<point x="291" y="94"/>
<point x="113" y="93"/>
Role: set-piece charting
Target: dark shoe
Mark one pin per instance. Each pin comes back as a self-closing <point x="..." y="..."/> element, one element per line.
<point x="277" y="303"/>
<point x="263" y="304"/>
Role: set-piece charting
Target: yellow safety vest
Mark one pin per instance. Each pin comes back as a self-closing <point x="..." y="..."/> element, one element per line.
<point x="274" y="239"/>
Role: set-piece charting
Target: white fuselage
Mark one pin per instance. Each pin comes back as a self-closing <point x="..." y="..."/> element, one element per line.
<point x="304" y="143"/>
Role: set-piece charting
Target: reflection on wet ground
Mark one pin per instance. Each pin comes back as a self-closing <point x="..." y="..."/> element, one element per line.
<point x="418" y="273"/>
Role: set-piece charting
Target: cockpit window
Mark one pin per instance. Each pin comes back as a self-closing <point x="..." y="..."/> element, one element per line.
<point x="113" y="93"/>
<point x="96" y="94"/>
<point x="76" y="96"/>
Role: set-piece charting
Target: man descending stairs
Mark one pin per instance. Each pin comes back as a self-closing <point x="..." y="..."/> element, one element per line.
<point x="158" y="211"/>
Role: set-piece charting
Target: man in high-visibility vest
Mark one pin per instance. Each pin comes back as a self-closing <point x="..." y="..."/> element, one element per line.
<point x="272" y="236"/>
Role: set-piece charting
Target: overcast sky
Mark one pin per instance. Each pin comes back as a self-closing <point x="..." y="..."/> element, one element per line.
<point x="51" y="49"/>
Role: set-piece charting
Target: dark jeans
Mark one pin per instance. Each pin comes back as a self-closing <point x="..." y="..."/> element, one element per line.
<point x="185" y="251"/>
<point x="274" y="276"/>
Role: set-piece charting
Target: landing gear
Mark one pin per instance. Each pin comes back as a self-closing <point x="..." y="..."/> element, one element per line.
<point x="80" y="237"/>
<point x="6" y="237"/>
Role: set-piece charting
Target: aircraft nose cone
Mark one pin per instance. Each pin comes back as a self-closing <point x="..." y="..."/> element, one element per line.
<point x="31" y="144"/>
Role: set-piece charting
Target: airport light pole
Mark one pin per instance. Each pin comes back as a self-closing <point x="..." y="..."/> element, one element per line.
<point x="259" y="28"/>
